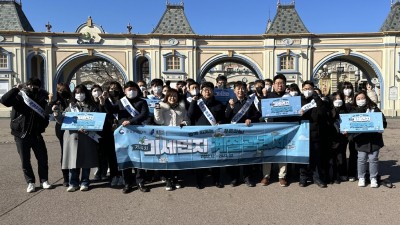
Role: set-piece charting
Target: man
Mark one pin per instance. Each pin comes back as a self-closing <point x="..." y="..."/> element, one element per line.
<point x="241" y="110"/>
<point x="221" y="82"/>
<point x="268" y="86"/>
<point x="259" y="85"/>
<point x="28" y="122"/>
<point x="157" y="89"/>
<point x="143" y="87"/>
<point x="197" y="115"/>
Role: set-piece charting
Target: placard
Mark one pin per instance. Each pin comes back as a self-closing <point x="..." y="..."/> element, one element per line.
<point x="361" y="122"/>
<point x="223" y="95"/>
<point x="281" y="107"/>
<point x="89" y="121"/>
<point x="151" y="103"/>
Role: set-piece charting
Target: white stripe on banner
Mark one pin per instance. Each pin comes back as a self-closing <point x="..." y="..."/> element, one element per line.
<point x="127" y="105"/>
<point x="206" y="111"/>
<point x="244" y="109"/>
<point x="32" y="104"/>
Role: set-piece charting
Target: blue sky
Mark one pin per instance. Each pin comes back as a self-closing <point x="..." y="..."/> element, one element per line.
<point x="207" y="16"/>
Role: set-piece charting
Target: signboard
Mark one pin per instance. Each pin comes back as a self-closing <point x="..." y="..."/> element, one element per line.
<point x="90" y="121"/>
<point x="281" y="107"/>
<point x="152" y="104"/>
<point x="3" y="87"/>
<point x="223" y="95"/>
<point x="190" y="147"/>
<point x="361" y="122"/>
<point x="393" y="93"/>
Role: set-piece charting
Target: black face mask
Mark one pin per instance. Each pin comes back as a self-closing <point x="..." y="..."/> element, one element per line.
<point x="114" y="93"/>
<point x="259" y="90"/>
<point x="65" y="95"/>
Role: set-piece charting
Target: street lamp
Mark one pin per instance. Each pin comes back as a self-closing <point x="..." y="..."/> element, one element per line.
<point x="323" y="73"/>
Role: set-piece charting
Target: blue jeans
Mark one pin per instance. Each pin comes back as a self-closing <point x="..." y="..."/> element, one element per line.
<point x="74" y="177"/>
<point x="363" y="159"/>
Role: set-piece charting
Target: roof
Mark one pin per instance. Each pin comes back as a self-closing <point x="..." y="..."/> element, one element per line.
<point x="392" y="22"/>
<point x="12" y="18"/>
<point x="286" y="21"/>
<point x="173" y="21"/>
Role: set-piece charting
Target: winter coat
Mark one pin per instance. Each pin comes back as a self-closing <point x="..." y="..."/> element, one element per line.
<point x="24" y="120"/>
<point x="368" y="142"/>
<point x="169" y="116"/>
<point x="197" y="117"/>
<point x="318" y="118"/>
<point x="80" y="151"/>
<point x="337" y="136"/>
<point x="123" y="115"/>
<point x="252" y="113"/>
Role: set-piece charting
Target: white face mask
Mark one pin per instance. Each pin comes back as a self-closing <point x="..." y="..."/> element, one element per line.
<point x="307" y="93"/>
<point x="347" y="92"/>
<point x="142" y="88"/>
<point x="96" y="94"/>
<point x="131" y="94"/>
<point x="338" y="103"/>
<point x="157" y="90"/>
<point x="293" y="93"/>
<point x="361" y="102"/>
<point x="80" y="97"/>
<point x="194" y="92"/>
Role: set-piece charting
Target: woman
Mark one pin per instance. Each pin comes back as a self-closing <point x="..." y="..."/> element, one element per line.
<point x="80" y="150"/>
<point x="171" y="112"/>
<point x="367" y="144"/>
<point x="61" y="101"/>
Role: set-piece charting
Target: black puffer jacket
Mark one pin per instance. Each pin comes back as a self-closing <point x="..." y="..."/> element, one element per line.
<point x="123" y="115"/>
<point x="318" y="118"/>
<point x="25" y="121"/>
<point x="252" y="113"/>
<point x="197" y="117"/>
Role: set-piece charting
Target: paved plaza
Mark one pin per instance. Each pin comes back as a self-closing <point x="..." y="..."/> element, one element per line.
<point x="338" y="204"/>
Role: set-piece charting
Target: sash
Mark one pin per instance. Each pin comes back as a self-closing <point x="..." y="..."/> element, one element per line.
<point x="309" y="106"/>
<point x="127" y="105"/>
<point x="206" y="112"/>
<point x="189" y="99"/>
<point x="244" y="109"/>
<point x="93" y="135"/>
<point x="116" y="114"/>
<point x="256" y="101"/>
<point x="32" y="104"/>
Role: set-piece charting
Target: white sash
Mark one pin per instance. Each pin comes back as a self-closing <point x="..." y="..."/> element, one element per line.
<point x="309" y="106"/>
<point x="93" y="135"/>
<point x="244" y="109"/>
<point x="32" y="104"/>
<point x="206" y="112"/>
<point x="189" y="99"/>
<point x="127" y="105"/>
<point x="256" y="101"/>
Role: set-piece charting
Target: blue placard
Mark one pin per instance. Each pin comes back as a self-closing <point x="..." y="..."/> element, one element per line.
<point x="90" y="121"/>
<point x="152" y="104"/>
<point x="281" y="107"/>
<point x="190" y="147"/>
<point x="361" y="122"/>
<point x="223" y="95"/>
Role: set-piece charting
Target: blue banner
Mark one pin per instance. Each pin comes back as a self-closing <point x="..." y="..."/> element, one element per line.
<point x="174" y="148"/>
<point x="280" y="107"/>
<point x="90" y="121"/>
<point x="152" y="104"/>
<point x="223" y="95"/>
<point x="361" y="122"/>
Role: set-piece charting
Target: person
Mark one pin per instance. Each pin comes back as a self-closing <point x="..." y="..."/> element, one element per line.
<point x="112" y="94"/>
<point x="194" y="90"/>
<point x="259" y="85"/>
<point x="131" y="110"/>
<point x="367" y="144"/>
<point x="157" y="89"/>
<point x="28" y="122"/>
<point x="165" y="89"/>
<point x="62" y="99"/>
<point x="294" y="90"/>
<point x="317" y="117"/>
<point x="181" y="87"/>
<point x="371" y="93"/>
<point x="348" y="92"/>
<point x="242" y="110"/>
<point x="222" y="82"/>
<point x="268" y="86"/>
<point x="279" y="91"/>
<point x="339" y="140"/>
<point x="143" y="88"/>
<point x="80" y="147"/>
<point x="197" y="112"/>
<point x="171" y="111"/>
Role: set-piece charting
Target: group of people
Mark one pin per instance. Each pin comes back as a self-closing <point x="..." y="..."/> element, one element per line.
<point x="188" y="104"/>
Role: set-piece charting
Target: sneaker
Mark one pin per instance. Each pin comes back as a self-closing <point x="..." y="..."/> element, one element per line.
<point x="361" y="182"/>
<point x="265" y="181"/>
<point x="84" y="188"/>
<point x="374" y="183"/>
<point x="72" y="188"/>
<point x="352" y="179"/>
<point x="121" y="181"/>
<point x="168" y="185"/>
<point x="176" y="183"/>
<point x="46" y="185"/>
<point x="31" y="188"/>
<point x="114" y="181"/>
<point x="283" y="182"/>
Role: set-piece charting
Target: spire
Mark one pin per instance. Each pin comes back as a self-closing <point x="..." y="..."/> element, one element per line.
<point x="286" y="21"/>
<point x="173" y="21"/>
<point x="392" y="22"/>
<point x="12" y="18"/>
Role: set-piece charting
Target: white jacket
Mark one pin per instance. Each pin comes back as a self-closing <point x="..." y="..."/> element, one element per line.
<point x="170" y="117"/>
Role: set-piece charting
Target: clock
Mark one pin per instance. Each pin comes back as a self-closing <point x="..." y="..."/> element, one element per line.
<point x="287" y="41"/>
<point x="173" y="41"/>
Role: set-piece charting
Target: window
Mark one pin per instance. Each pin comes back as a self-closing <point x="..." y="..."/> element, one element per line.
<point x="3" y="61"/>
<point x="287" y="62"/>
<point x="173" y="63"/>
